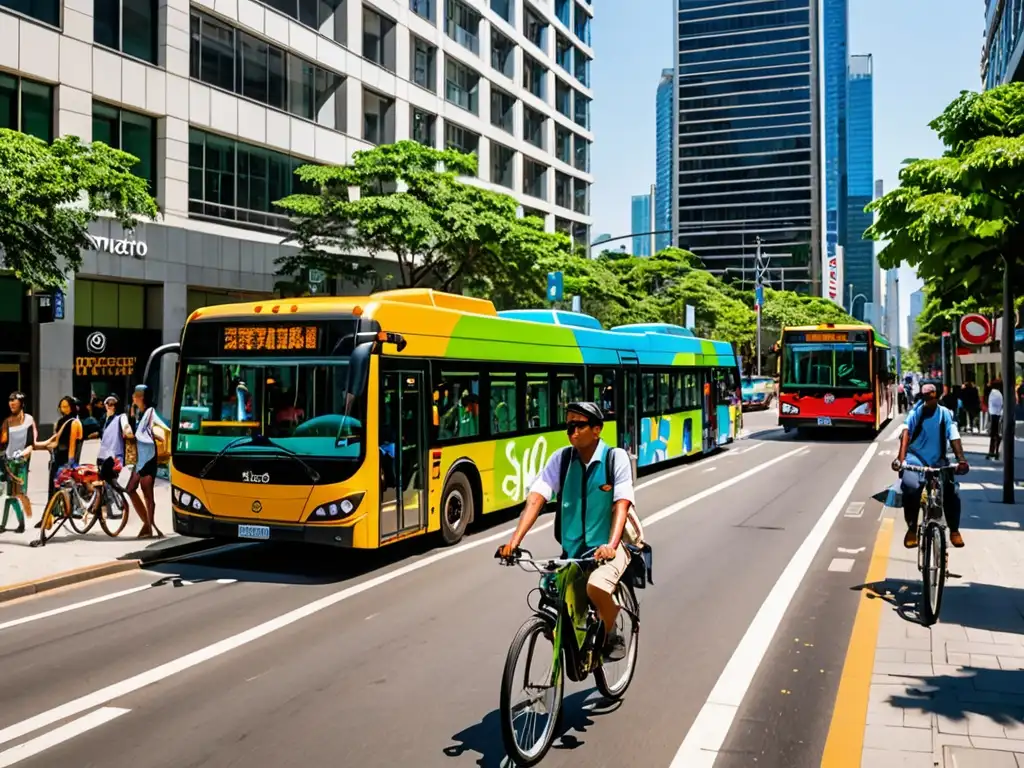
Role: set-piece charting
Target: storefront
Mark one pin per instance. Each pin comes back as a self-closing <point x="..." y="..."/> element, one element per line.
<point x="110" y="361"/>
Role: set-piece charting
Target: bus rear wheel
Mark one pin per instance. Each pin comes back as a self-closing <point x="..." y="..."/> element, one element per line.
<point x="456" y="508"/>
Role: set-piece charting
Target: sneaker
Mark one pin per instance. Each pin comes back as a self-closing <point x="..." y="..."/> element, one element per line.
<point x="956" y="539"/>
<point x="910" y="540"/>
<point x="615" y="648"/>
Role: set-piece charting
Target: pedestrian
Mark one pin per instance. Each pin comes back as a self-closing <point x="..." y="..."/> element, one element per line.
<point x="972" y="404"/>
<point x="995" y="415"/>
<point x="145" y="440"/>
<point x="65" y="444"/>
<point x="117" y="436"/>
<point x="18" y="435"/>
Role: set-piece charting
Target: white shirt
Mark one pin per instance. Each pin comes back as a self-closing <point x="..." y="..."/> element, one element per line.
<point x="995" y="403"/>
<point x="547" y="483"/>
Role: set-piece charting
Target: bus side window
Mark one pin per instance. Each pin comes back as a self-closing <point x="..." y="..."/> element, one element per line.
<point x="458" y="402"/>
<point x="538" y="401"/>
<point x="602" y="387"/>
<point x="504" y="418"/>
<point x="676" y="378"/>
<point x="570" y="390"/>
<point x="648" y="394"/>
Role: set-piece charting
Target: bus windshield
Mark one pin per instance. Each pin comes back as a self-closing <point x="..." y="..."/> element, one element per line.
<point x="826" y="366"/>
<point x="301" y="405"/>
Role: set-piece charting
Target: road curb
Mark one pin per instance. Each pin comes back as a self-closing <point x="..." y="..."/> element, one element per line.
<point x="130" y="562"/>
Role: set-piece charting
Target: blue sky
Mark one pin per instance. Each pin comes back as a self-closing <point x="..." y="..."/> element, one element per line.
<point x="922" y="59"/>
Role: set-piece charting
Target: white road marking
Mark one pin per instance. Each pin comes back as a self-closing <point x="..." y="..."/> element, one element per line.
<point x="60" y="735"/>
<point x="710" y="469"/>
<point x="856" y="509"/>
<point x="189" y="660"/>
<point x="841" y="564"/>
<point x="73" y="607"/>
<point x="711" y="727"/>
<point x="856" y="551"/>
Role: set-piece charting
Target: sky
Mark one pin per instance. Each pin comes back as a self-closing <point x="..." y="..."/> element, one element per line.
<point x="922" y="60"/>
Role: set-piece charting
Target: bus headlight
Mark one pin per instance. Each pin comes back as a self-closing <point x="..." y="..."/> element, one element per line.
<point x="789" y="408"/>
<point x="337" y="509"/>
<point x="187" y="501"/>
<point x="864" y="409"/>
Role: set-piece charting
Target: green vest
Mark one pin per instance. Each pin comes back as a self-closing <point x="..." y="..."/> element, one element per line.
<point x="586" y="508"/>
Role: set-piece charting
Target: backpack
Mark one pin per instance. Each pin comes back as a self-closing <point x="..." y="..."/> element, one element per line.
<point x="632" y="534"/>
<point x="942" y="428"/>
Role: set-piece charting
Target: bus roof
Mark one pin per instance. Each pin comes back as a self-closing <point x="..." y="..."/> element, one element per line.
<point x="436" y="324"/>
<point x="880" y="340"/>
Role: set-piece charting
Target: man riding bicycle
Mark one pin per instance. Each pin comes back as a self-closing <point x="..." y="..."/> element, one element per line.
<point x="929" y="427"/>
<point x="592" y="513"/>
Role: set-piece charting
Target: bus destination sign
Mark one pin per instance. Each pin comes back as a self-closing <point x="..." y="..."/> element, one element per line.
<point x="826" y="337"/>
<point x="271" y="338"/>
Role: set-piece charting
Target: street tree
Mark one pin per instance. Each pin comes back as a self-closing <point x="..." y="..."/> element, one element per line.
<point x="50" y="193"/>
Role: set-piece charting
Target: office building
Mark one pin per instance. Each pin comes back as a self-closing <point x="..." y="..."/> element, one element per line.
<point x="641" y="224"/>
<point x="222" y="101"/>
<point x="665" y="131"/>
<point x="835" y="26"/>
<point x="748" y="133"/>
<point x="1003" y="46"/>
<point x="861" y="268"/>
<point x="916" y="308"/>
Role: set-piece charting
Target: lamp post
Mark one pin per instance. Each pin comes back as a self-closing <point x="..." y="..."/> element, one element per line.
<point x="853" y="299"/>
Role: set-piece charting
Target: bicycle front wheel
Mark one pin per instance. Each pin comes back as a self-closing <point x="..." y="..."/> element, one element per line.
<point x="113" y="510"/>
<point x="528" y="728"/>
<point x="933" y="572"/>
<point x="58" y="510"/>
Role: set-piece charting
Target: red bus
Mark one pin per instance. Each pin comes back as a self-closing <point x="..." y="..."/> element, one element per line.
<point x="835" y="376"/>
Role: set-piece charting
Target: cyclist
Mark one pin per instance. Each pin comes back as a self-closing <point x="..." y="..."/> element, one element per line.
<point x="592" y="514"/>
<point x="929" y="428"/>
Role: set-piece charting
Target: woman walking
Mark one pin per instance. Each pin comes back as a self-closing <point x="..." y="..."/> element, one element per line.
<point x="995" y="415"/>
<point x="17" y="436"/>
<point x="116" y="436"/>
<point x="146" y="439"/>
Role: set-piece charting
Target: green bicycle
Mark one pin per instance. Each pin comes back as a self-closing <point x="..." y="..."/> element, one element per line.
<point x="565" y="637"/>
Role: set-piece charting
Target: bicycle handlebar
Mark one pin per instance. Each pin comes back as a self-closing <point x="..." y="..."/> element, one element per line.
<point x="929" y="470"/>
<point x="544" y="564"/>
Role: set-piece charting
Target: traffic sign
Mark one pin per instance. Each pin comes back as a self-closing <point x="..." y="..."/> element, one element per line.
<point x="975" y="329"/>
<point x="554" y="286"/>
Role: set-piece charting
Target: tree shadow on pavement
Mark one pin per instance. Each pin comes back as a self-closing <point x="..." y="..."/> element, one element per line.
<point x="996" y="694"/>
<point x="484" y="738"/>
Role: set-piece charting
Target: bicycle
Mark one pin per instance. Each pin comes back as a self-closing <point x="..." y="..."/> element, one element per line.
<point x="106" y="504"/>
<point x="564" y="617"/>
<point x="932" y="548"/>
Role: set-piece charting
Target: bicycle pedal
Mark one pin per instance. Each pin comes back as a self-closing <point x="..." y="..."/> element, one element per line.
<point x="953" y="575"/>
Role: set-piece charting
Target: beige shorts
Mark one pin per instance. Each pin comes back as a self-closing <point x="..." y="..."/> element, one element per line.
<point x="607" y="575"/>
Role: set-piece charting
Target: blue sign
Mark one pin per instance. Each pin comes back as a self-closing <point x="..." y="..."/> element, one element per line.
<point x="554" y="286"/>
<point x="758" y="297"/>
<point x="58" y="304"/>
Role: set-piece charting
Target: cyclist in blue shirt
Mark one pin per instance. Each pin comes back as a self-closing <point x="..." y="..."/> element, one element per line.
<point x="929" y="428"/>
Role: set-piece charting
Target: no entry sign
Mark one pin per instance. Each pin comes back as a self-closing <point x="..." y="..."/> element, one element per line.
<point x="975" y="329"/>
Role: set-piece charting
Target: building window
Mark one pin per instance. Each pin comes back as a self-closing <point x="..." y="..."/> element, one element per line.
<point x="535" y="179"/>
<point x="534" y="127"/>
<point x="563" y="190"/>
<point x="26" y="106"/>
<point x="563" y="52"/>
<point x="102" y="304"/>
<point x="424" y="8"/>
<point x="581" y="196"/>
<point x="581" y="110"/>
<point x="534" y="75"/>
<point x="502" y="165"/>
<point x="378" y="118"/>
<point x="581" y="24"/>
<point x="462" y="24"/>
<point x="503" y="107"/>
<point x="504" y="8"/>
<point x="378" y="39"/>
<point x="534" y="27"/>
<point x="563" y="98"/>
<point x="424" y="64"/>
<point x="423" y="128"/>
<point x="328" y="17"/>
<point x="238" y="182"/>
<point x="582" y="154"/>
<point x="563" y="144"/>
<point x="503" y="54"/>
<point x="563" y="12"/>
<point x="129" y="26"/>
<point x="457" y="137"/>
<point x="462" y="86"/>
<point x="131" y="132"/>
<point x="46" y="11"/>
<point x="240" y="63"/>
<point x="581" y="67"/>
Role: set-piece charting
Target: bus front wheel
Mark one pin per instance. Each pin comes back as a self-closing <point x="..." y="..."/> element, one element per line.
<point x="456" y="508"/>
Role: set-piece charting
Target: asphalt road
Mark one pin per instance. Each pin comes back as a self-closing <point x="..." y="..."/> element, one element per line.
<point x="264" y="657"/>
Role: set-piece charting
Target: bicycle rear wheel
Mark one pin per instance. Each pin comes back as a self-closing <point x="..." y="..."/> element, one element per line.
<point x="528" y="729"/>
<point x="57" y="511"/>
<point x="89" y="514"/>
<point x="112" y="510"/>
<point x="933" y="572"/>
<point x="613" y="677"/>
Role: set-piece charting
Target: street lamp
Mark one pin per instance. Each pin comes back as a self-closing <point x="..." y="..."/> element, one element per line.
<point x="853" y="302"/>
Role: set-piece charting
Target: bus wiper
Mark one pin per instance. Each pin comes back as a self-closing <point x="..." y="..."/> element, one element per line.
<point x="263" y="442"/>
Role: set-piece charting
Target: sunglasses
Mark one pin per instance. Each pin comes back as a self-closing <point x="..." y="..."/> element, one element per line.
<point x="572" y="426"/>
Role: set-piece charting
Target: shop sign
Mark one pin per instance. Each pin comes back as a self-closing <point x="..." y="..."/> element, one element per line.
<point x="97" y="364"/>
<point x="123" y="247"/>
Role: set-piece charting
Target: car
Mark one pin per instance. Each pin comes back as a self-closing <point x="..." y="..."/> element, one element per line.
<point x="758" y="392"/>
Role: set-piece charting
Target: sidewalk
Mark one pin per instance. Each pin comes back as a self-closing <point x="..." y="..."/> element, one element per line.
<point x="92" y="554"/>
<point x="952" y="696"/>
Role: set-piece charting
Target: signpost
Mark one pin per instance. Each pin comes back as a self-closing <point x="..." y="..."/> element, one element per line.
<point x="975" y="329"/>
<point x="555" y="284"/>
<point x="760" y="266"/>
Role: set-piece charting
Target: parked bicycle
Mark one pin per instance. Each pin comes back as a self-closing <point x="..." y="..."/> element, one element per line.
<point x="565" y="619"/>
<point x="84" y="498"/>
<point x="932" y="554"/>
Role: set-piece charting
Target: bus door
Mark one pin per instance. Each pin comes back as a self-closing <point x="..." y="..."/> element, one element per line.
<point x="629" y="422"/>
<point x="709" y="408"/>
<point x="402" y="444"/>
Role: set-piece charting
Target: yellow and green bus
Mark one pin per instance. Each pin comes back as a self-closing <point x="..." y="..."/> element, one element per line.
<point x="362" y="421"/>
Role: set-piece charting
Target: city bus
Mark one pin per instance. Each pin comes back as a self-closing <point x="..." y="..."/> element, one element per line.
<point x="835" y="376"/>
<point x="358" y="422"/>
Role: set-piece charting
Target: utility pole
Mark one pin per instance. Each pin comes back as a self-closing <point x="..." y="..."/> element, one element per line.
<point x="760" y="267"/>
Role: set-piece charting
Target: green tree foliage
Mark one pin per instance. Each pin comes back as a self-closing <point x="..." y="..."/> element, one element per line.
<point x="413" y="203"/>
<point x="50" y="193"/>
<point x="909" y="360"/>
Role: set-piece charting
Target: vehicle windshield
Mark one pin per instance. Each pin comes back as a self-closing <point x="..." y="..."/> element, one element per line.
<point x="299" y="405"/>
<point x="753" y="382"/>
<point x="826" y="366"/>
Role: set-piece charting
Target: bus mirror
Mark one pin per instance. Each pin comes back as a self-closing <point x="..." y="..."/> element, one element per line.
<point x="359" y="368"/>
<point x="386" y="337"/>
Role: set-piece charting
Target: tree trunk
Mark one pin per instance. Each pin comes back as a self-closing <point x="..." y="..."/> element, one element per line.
<point x="1009" y="383"/>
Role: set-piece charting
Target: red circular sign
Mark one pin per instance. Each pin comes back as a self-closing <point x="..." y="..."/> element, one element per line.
<point x="975" y="329"/>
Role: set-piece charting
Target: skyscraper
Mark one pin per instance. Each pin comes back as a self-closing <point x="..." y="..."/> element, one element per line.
<point x="641" y="223"/>
<point x="664" y="105"/>
<point x="916" y="308"/>
<point x="861" y="269"/>
<point x="1002" y="54"/>
<point x="748" y="132"/>
<point x="835" y="23"/>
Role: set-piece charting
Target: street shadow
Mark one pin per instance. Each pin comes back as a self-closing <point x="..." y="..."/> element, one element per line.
<point x="992" y="693"/>
<point x="816" y="436"/>
<point x="484" y="739"/>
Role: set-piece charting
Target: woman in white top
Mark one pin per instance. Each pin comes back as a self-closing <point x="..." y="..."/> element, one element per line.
<point x="995" y="413"/>
<point x="18" y="435"/>
<point x="114" y="437"/>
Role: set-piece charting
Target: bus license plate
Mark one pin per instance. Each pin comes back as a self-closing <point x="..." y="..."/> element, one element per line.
<point x="824" y="421"/>
<point x="254" y="532"/>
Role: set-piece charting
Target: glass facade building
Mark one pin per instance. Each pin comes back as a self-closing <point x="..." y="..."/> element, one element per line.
<point x="859" y="268"/>
<point x="641" y="222"/>
<point x="1002" y="50"/>
<point x="665" y="103"/>
<point x="748" y="133"/>
<point x="835" y="25"/>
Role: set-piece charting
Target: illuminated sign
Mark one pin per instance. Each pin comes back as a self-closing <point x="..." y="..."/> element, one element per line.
<point x="262" y="338"/>
<point x="87" y="365"/>
<point x="826" y="337"/>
